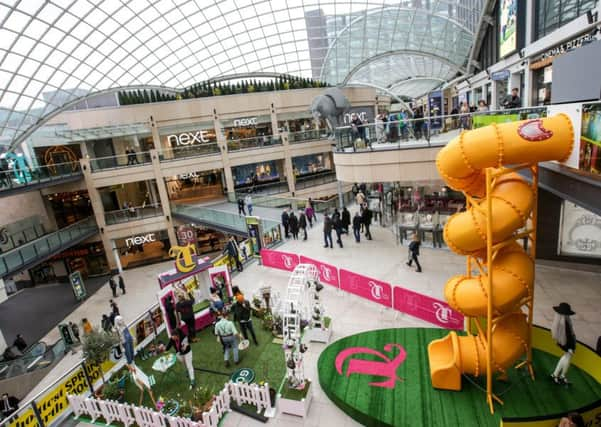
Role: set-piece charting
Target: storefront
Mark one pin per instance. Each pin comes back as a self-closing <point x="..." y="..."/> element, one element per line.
<point x="247" y="127"/>
<point x="188" y="140"/>
<point x="143" y="249"/>
<point x="69" y="208"/>
<point x="258" y="173"/>
<point x="196" y="186"/>
<point x="312" y="164"/>
<point x="128" y="195"/>
<point x="88" y="259"/>
<point x="57" y="157"/>
<point x="542" y="67"/>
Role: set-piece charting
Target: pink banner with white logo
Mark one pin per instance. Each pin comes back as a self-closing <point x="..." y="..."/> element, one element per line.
<point x="427" y="308"/>
<point x="327" y="272"/>
<point x="366" y="287"/>
<point x="276" y="259"/>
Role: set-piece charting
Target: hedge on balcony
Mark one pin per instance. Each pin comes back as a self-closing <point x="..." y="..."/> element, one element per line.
<point x="208" y="88"/>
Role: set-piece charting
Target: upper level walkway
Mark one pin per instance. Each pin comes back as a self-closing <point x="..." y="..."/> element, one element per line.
<point x="19" y="177"/>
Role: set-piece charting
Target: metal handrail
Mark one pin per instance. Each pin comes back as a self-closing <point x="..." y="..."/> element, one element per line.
<point x="112" y="161"/>
<point x="186" y="151"/>
<point x="254" y="142"/>
<point x="132" y="213"/>
<point x="34" y="175"/>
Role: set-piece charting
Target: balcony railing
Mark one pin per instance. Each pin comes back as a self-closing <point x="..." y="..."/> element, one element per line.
<point x="38" y="356"/>
<point x="120" y="161"/>
<point x="423" y="132"/>
<point x="27" y="254"/>
<point x="22" y="175"/>
<point x="319" y="178"/>
<point x="252" y="143"/>
<point x="133" y="213"/>
<point x="187" y="151"/>
<point x="320" y="205"/>
<point x="306" y="135"/>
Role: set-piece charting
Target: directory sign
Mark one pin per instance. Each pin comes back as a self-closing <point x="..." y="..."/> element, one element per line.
<point x="79" y="288"/>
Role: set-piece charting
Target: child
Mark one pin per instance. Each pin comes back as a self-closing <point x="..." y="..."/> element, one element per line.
<point x="563" y="333"/>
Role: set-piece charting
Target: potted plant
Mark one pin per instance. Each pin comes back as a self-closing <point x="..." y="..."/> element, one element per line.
<point x="268" y="321"/>
<point x="97" y="346"/>
<point x="111" y="391"/>
<point x="203" y="397"/>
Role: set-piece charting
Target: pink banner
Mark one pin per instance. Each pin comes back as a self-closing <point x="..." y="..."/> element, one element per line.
<point x="327" y="272"/>
<point x="366" y="287"/>
<point x="427" y="308"/>
<point x="277" y="259"/>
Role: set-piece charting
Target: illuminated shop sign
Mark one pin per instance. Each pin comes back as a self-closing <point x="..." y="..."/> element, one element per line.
<point x="140" y="240"/>
<point x="188" y="138"/>
<point x="187" y="175"/>
<point x="249" y="121"/>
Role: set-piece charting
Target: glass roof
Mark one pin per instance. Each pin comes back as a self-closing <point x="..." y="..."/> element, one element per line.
<point x="54" y="53"/>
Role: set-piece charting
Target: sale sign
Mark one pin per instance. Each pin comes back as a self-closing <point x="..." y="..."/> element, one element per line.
<point x="427" y="308"/>
<point x="281" y="260"/>
<point x="366" y="287"/>
<point x="327" y="272"/>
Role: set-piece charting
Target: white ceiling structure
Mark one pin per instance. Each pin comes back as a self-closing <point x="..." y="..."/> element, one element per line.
<point x="55" y="53"/>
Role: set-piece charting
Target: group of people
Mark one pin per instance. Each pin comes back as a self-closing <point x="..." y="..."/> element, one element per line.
<point x="340" y="222"/>
<point x="132" y="156"/>
<point x="113" y="285"/>
<point x="245" y="203"/>
<point x="294" y="224"/>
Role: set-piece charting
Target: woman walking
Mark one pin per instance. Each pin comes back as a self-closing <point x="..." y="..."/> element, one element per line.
<point x="414" y="253"/>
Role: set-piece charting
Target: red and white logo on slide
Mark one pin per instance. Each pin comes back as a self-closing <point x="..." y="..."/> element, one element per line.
<point x="533" y="130"/>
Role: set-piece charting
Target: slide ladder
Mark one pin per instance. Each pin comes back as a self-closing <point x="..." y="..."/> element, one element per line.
<point x="500" y="214"/>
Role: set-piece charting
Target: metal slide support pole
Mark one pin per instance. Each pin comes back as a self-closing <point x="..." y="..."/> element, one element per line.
<point x="489" y="245"/>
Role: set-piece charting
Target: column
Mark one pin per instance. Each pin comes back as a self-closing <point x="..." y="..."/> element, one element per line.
<point x="115" y="252"/>
<point x="3" y="297"/>
<point x="288" y="169"/>
<point x="93" y="193"/>
<point x="274" y="121"/>
<point x="152" y="192"/>
<point x="2" y="340"/>
<point x="494" y="104"/>
<point x="163" y="196"/>
<point x="225" y="159"/>
<point x="156" y="139"/>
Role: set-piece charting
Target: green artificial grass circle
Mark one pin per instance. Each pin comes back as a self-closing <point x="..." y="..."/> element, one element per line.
<point x="413" y="401"/>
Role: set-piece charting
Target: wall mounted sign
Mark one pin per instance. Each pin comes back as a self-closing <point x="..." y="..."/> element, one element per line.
<point x="140" y="240"/>
<point x="79" y="288"/>
<point x="188" y="138"/>
<point x="500" y="75"/>
<point x="249" y="121"/>
<point x="580" y="232"/>
<point x="547" y="57"/>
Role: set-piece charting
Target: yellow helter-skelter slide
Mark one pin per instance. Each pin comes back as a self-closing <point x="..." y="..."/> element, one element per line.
<point x="463" y="164"/>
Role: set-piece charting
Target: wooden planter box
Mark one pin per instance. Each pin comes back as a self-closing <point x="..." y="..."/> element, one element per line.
<point x="299" y="408"/>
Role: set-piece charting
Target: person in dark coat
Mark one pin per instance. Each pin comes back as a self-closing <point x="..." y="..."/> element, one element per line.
<point x="357" y="226"/>
<point x="113" y="286"/>
<point x="562" y="332"/>
<point x="170" y="311"/>
<point x="185" y="308"/>
<point x="414" y="253"/>
<point x="337" y="224"/>
<point x="233" y="252"/>
<point x="20" y="343"/>
<point x="293" y="224"/>
<point x="241" y="210"/>
<point x="302" y="223"/>
<point x="346" y="219"/>
<point x="8" y="405"/>
<point x="286" y="223"/>
<point x="121" y="284"/>
<point x="242" y="315"/>
<point x="366" y="220"/>
<point x="327" y="231"/>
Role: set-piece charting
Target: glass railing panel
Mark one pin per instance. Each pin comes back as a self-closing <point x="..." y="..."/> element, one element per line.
<point x="187" y="151"/>
<point x="120" y="161"/>
<point x="134" y="213"/>
<point x="251" y="143"/>
<point x="20" y="174"/>
<point x="313" y="180"/>
<point x="307" y="135"/>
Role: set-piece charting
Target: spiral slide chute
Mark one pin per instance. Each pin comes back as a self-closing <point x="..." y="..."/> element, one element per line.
<point x="462" y="164"/>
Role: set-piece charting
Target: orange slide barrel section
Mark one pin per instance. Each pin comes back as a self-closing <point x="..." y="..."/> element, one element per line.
<point x="462" y="163"/>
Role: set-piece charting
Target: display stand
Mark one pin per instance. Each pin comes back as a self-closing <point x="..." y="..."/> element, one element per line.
<point x="298" y="407"/>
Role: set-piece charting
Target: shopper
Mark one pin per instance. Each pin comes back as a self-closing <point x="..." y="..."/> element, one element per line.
<point x="327" y="231"/>
<point x="248" y="201"/>
<point x="20" y="343"/>
<point x="465" y="118"/>
<point x="302" y="223"/>
<point x="227" y="333"/>
<point x="242" y="315"/>
<point x="75" y="330"/>
<point x="87" y="326"/>
<point x="357" y="226"/>
<point x="313" y="212"/>
<point x="113" y="286"/>
<point x="366" y="220"/>
<point x="562" y="332"/>
<point x="241" y="210"/>
<point x="105" y="323"/>
<point x="183" y="352"/>
<point x="293" y="225"/>
<point x="8" y="405"/>
<point x="482" y="106"/>
<point x="170" y="311"/>
<point x="513" y="100"/>
<point x="346" y="219"/>
<point x="231" y="248"/>
<point x="360" y="198"/>
<point x="114" y="308"/>
<point x="337" y="224"/>
<point x="414" y="253"/>
<point x="185" y="309"/>
<point x="285" y="222"/>
<point x="121" y="284"/>
<point x="215" y="301"/>
<point x="310" y="214"/>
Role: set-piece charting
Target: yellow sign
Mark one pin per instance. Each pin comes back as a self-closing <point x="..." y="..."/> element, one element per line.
<point x="55" y="402"/>
<point x="184" y="263"/>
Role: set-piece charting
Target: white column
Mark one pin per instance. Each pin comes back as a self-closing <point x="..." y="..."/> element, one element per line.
<point x="116" y="255"/>
<point x="529" y="36"/>
<point x="3" y="296"/>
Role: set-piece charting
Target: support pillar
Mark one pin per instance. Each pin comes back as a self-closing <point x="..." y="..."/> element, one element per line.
<point x="115" y="252"/>
<point x="163" y="196"/>
<point x="225" y="159"/>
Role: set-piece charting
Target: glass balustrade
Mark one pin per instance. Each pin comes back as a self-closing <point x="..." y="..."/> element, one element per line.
<point x="251" y="143"/>
<point x="423" y="132"/>
<point x="133" y="213"/>
<point x="21" y="175"/>
<point x="187" y="151"/>
<point x="120" y="161"/>
<point x="15" y="259"/>
<point x="307" y="135"/>
<point x="319" y="178"/>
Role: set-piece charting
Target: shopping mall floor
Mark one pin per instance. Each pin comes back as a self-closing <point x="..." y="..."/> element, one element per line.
<point x="380" y="258"/>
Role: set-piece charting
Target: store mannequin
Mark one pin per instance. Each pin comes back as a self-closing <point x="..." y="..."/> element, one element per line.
<point x="126" y="340"/>
<point x="563" y="333"/>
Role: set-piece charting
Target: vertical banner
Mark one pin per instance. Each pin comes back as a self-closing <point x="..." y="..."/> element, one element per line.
<point x="79" y="289"/>
<point x="366" y="287"/>
<point x="427" y="308"/>
<point x="327" y="272"/>
<point x="281" y="260"/>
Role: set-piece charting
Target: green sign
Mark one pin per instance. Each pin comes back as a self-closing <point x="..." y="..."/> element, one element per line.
<point x="79" y="288"/>
<point x="243" y="375"/>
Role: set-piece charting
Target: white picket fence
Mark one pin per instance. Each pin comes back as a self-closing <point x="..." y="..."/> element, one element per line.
<point x="111" y="411"/>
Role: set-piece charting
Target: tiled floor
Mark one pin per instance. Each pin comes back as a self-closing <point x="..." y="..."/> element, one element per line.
<point x="380" y="258"/>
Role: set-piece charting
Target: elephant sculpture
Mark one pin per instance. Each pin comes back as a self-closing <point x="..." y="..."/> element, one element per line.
<point x="331" y="106"/>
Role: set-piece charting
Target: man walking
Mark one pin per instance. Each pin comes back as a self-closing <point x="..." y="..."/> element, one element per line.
<point x="346" y="219"/>
<point x="293" y="225"/>
<point x="242" y="315"/>
<point x="285" y="222"/>
<point x="121" y="284"/>
<point x="367" y="221"/>
<point x="414" y="253"/>
<point x="241" y="210"/>
<point x="227" y="333"/>
<point x="357" y="226"/>
<point x="327" y="231"/>
<point x="113" y="286"/>
<point x="233" y="252"/>
<point x="248" y="200"/>
<point x="185" y="308"/>
<point x="302" y="223"/>
<point x="337" y="224"/>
